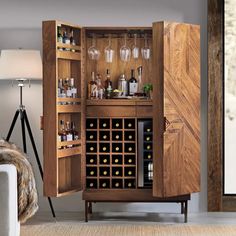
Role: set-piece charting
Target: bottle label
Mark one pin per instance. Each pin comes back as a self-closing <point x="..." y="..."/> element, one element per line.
<point x="68" y="93"/>
<point x="133" y="88"/>
<point x="69" y="137"/>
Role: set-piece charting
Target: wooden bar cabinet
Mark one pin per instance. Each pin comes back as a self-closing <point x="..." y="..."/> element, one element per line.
<point x="118" y="137"/>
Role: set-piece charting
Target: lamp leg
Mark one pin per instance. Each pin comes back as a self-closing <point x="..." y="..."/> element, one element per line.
<point x="36" y="155"/>
<point x="23" y="130"/>
<point x="12" y="125"/>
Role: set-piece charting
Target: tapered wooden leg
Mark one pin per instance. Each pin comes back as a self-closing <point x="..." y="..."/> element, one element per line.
<point x="186" y="212"/>
<point x="90" y="208"/>
<point x="182" y="208"/>
<point x="86" y="211"/>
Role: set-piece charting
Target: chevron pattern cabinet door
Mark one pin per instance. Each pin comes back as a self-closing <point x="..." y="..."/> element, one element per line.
<point x="176" y="117"/>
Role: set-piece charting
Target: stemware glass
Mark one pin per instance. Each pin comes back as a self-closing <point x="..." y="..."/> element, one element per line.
<point x="93" y="51"/>
<point x="125" y="51"/>
<point x="146" y="50"/>
<point x="135" y="49"/>
<point x="109" y="52"/>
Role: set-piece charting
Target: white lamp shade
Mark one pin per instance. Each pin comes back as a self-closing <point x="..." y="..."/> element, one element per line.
<point x="20" y="64"/>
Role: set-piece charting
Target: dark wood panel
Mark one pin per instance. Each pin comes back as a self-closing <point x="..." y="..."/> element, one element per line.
<point x="131" y="195"/>
<point x="180" y="78"/>
<point x="215" y="104"/>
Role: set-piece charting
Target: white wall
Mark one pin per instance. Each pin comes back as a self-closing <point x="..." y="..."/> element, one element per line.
<point x="20" y="26"/>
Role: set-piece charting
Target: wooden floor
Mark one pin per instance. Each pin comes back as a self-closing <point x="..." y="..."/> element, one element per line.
<point x="120" y="223"/>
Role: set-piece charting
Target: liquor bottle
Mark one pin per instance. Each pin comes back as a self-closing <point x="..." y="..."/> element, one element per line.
<point x="59" y="88"/>
<point x="67" y="88"/>
<point x="92" y="87"/>
<point x="72" y="40"/>
<point x="59" y="36"/>
<point x="73" y="88"/>
<point x="100" y="89"/>
<point x="62" y="133"/>
<point x="75" y="134"/>
<point x="66" y="39"/>
<point x="140" y="85"/>
<point x="69" y="135"/>
<point x="132" y="84"/>
<point x="108" y="85"/>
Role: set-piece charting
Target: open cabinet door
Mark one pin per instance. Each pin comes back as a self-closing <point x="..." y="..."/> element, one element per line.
<point x="63" y="159"/>
<point x="176" y="104"/>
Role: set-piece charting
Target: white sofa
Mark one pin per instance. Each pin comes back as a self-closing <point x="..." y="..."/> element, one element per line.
<point x="9" y="225"/>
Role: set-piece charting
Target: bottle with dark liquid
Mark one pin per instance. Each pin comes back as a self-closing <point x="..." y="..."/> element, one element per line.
<point x="108" y="85"/>
<point x="75" y="134"/>
<point x="132" y="85"/>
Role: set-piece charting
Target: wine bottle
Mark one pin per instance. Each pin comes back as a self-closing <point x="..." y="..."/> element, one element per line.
<point x="91" y="137"/>
<point x="104" y="172"/>
<point x="132" y="84"/>
<point x="91" y="185"/>
<point x="62" y="133"/>
<point x="117" y="185"/>
<point x="104" y="185"/>
<point x="116" y="160"/>
<point x="75" y="134"/>
<point x="105" y="160"/>
<point x="91" y="172"/>
<point x="91" y="161"/>
<point x="108" y="85"/>
<point x="117" y="172"/>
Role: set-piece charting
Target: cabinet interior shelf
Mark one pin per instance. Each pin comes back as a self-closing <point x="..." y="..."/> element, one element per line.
<point x="69" y="108"/>
<point x="76" y="56"/>
<point x="69" y="100"/>
<point x="123" y="102"/>
<point x="65" y="143"/>
<point x="69" y="46"/>
<point x="68" y="152"/>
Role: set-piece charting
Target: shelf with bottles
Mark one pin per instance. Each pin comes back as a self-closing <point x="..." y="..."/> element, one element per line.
<point x="68" y="99"/>
<point x="68" y="42"/>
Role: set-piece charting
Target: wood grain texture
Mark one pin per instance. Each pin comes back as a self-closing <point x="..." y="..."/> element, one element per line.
<point x="62" y="173"/>
<point x="49" y="109"/>
<point x="215" y="104"/>
<point x="179" y="73"/>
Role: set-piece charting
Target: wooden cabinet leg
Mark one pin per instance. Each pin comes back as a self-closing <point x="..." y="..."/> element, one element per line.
<point x="86" y="211"/>
<point x="182" y="207"/>
<point x="186" y="212"/>
<point x="90" y="208"/>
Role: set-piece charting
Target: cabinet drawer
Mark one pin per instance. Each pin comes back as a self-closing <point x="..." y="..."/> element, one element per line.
<point x="144" y="111"/>
<point x="111" y="111"/>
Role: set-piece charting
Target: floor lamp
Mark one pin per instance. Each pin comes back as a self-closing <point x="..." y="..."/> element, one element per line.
<point x="22" y="66"/>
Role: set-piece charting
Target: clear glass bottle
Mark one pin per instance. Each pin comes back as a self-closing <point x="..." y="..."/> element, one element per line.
<point x="92" y="87"/>
<point x="62" y="133"/>
<point x="69" y="135"/>
<point x="73" y="88"/>
<point x="100" y="89"/>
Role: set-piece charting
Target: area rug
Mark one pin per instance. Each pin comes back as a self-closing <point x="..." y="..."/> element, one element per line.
<point x="92" y="229"/>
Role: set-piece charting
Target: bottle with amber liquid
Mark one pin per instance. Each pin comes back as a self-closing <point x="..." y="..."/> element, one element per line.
<point x="92" y="87"/>
<point x="62" y="133"/>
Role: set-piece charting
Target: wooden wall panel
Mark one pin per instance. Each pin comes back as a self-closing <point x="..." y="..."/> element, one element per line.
<point x="49" y="109"/>
<point x="181" y="85"/>
<point x="215" y="104"/>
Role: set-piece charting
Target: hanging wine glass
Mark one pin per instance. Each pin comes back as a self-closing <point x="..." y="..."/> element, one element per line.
<point x="146" y="50"/>
<point x="135" y="49"/>
<point x="93" y="51"/>
<point x="109" y="52"/>
<point x="125" y="51"/>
